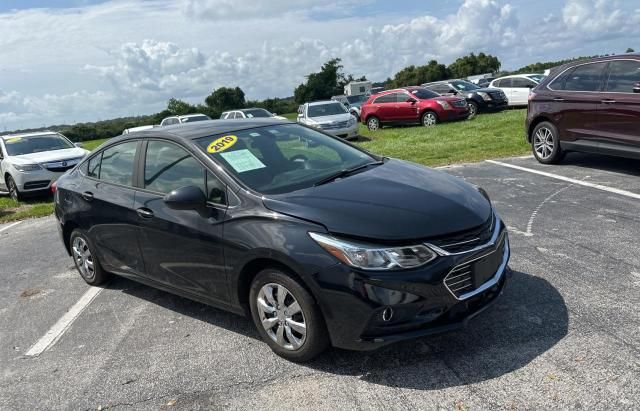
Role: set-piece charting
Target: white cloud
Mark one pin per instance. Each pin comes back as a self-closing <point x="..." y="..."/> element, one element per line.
<point x="99" y="61"/>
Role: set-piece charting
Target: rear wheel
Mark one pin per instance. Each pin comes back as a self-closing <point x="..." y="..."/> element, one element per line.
<point x="373" y="123"/>
<point x="429" y="118"/>
<point x="85" y="259"/>
<point x="545" y="143"/>
<point x="286" y="316"/>
<point x="13" y="189"/>
<point x="473" y="109"/>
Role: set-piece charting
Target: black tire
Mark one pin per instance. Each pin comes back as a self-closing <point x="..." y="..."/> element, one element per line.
<point x="80" y="243"/>
<point x="316" y="339"/>
<point x="473" y="110"/>
<point x="429" y="118"/>
<point x="545" y="143"/>
<point x="15" y="194"/>
<point x="373" y="123"/>
<point x="355" y="114"/>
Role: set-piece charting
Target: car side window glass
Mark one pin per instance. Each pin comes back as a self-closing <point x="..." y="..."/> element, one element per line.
<point x="505" y="82"/>
<point x="168" y="167"/>
<point x="387" y="98"/>
<point x="216" y="190"/>
<point x="586" y="77"/>
<point x="402" y="97"/>
<point x="519" y="82"/>
<point x="116" y="165"/>
<point x="93" y="166"/>
<point x="623" y="75"/>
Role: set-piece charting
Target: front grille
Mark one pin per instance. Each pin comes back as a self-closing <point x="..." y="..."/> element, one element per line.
<point x="471" y="275"/>
<point x="460" y="103"/>
<point x="467" y="240"/>
<point x="334" y="125"/>
<point x="61" y="165"/>
<point x="497" y="95"/>
<point x="36" y="184"/>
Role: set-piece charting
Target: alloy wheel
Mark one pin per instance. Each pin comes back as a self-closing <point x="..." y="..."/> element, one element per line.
<point x="83" y="258"/>
<point x="473" y="110"/>
<point x="282" y="316"/>
<point x="13" y="189"/>
<point x="429" y="119"/>
<point x="543" y="143"/>
<point x="373" y="124"/>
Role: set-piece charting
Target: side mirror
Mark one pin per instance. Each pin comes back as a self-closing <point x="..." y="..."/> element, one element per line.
<point x="636" y="88"/>
<point x="186" y="198"/>
<point x="275" y="114"/>
<point x="79" y="145"/>
<point x="412" y="101"/>
<point x="454" y="92"/>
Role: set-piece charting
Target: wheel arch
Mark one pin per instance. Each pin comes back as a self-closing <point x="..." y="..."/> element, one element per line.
<point x="534" y="123"/>
<point x="67" y="229"/>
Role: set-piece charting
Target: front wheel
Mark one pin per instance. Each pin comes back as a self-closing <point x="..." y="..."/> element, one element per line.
<point x="373" y="123"/>
<point x="286" y="316"/>
<point x="429" y="119"/>
<point x="13" y="189"/>
<point x="473" y="109"/>
<point x="545" y="143"/>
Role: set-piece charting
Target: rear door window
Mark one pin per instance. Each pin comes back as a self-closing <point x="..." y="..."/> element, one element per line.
<point x="587" y="77"/>
<point x="519" y="82"/>
<point x="505" y="82"/>
<point x="623" y="75"/>
<point x="116" y="165"/>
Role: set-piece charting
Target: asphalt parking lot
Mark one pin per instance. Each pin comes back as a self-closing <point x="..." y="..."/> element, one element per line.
<point x="565" y="334"/>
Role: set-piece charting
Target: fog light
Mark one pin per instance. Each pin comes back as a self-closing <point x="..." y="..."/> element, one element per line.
<point x="387" y="314"/>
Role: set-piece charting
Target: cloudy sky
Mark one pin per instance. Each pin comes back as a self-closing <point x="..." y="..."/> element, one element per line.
<point x="65" y="61"/>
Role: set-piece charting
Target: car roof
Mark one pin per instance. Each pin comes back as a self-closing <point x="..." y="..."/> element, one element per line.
<point x="317" y="103"/>
<point x="193" y="115"/>
<point x="198" y="129"/>
<point x="519" y="75"/>
<point x="25" y="135"/>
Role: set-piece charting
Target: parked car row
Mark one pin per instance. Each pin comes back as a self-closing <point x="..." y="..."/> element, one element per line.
<point x="478" y="98"/>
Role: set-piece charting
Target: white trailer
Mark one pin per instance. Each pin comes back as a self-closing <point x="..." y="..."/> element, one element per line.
<point x="356" y="88"/>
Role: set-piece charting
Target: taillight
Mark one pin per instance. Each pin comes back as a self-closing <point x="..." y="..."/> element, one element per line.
<point x="532" y="95"/>
<point x="54" y="187"/>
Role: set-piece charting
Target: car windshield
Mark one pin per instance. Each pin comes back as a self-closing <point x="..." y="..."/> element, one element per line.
<point x="329" y="109"/>
<point x="17" y="146"/>
<point x="536" y="77"/>
<point x="357" y="99"/>
<point x="423" y="93"/>
<point x="257" y="112"/>
<point x="282" y="158"/>
<point x="462" y="85"/>
<point x="191" y="119"/>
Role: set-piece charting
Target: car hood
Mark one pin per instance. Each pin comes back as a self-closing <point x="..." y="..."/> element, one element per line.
<point x="396" y="201"/>
<point x="485" y="90"/>
<point x="48" y="156"/>
<point x="330" y="119"/>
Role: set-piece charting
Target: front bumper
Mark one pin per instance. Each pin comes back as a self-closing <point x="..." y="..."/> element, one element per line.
<point x="347" y="132"/>
<point x="494" y="105"/>
<point x="457" y="113"/>
<point x="35" y="181"/>
<point x="367" y="310"/>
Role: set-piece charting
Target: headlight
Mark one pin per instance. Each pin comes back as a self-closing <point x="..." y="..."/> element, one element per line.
<point x="370" y="257"/>
<point x="444" y="104"/>
<point x="485" y="96"/>
<point x="27" y="167"/>
<point x="351" y="122"/>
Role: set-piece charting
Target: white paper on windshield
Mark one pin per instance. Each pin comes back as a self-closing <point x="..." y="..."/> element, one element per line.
<point x="242" y="160"/>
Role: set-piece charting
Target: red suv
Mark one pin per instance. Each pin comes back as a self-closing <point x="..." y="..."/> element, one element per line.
<point x="590" y="105"/>
<point x="414" y="105"/>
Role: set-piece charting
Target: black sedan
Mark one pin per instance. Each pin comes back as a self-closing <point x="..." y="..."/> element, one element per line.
<point x="317" y="240"/>
<point x="480" y="99"/>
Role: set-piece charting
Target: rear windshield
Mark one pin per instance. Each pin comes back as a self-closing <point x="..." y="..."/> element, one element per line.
<point x="257" y="112"/>
<point x="17" y="146"/>
<point x="195" y="118"/>
<point x="329" y="109"/>
<point x="462" y="85"/>
<point x="281" y="158"/>
<point x="423" y="93"/>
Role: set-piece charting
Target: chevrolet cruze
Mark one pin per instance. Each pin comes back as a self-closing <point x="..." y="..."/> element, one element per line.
<point x="319" y="242"/>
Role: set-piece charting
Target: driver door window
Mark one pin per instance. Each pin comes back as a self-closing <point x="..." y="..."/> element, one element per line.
<point x="168" y="167"/>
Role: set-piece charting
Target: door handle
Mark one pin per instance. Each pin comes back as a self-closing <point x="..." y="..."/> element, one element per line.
<point x="608" y="101"/>
<point x="558" y="99"/>
<point x="87" y="195"/>
<point x="144" y="212"/>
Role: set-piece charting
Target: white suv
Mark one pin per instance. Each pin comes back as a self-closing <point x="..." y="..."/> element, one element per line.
<point x="32" y="162"/>
<point x="189" y="118"/>
<point x="329" y="116"/>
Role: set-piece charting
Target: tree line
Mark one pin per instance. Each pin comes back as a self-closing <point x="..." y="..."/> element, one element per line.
<point x="324" y="84"/>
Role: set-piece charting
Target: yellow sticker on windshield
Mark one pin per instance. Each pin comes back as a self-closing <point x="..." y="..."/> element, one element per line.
<point x="222" y="144"/>
<point x="13" y="140"/>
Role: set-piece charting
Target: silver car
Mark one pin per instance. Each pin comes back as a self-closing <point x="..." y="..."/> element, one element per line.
<point x="32" y="162"/>
<point x="329" y="116"/>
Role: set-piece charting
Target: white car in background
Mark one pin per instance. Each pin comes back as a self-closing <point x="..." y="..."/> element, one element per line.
<point x="31" y="162"/>
<point x="329" y="116"/>
<point x="517" y="87"/>
<point x="189" y="118"/>
<point x="249" y="113"/>
<point x="136" y="129"/>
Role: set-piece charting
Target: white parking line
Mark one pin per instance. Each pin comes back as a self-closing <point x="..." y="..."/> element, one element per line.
<point x="9" y="226"/>
<point x="569" y="180"/>
<point x="63" y="324"/>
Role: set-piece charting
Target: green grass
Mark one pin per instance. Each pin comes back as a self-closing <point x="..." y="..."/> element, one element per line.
<point x="487" y="136"/>
<point x="490" y="135"/>
<point x="290" y="116"/>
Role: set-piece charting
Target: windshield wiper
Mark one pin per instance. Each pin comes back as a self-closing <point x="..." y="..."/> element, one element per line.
<point x="346" y="172"/>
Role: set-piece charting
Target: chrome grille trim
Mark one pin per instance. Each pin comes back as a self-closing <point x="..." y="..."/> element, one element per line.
<point x="492" y="241"/>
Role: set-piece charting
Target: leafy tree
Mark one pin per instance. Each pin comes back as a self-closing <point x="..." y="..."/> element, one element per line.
<point x="472" y="64"/>
<point x="225" y="98"/>
<point x="328" y="82"/>
<point x="179" y="107"/>
<point x="630" y="50"/>
<point x="416" y="75"/>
